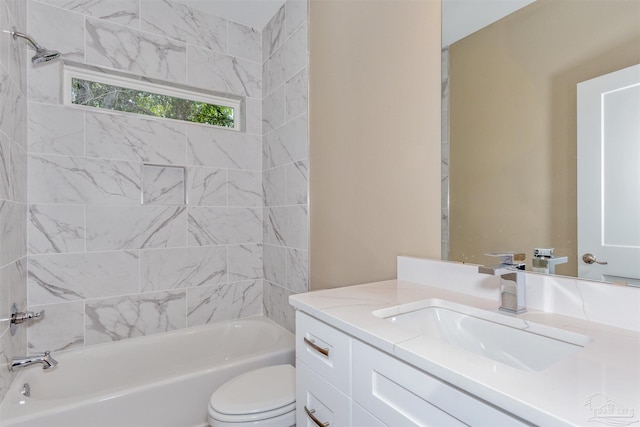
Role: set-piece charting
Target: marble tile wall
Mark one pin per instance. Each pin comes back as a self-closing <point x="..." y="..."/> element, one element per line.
<point x="285" y="160"/>
<point x="13" y="185"/>
<point x="445" y="155"/>
<point x="139" y="225"/>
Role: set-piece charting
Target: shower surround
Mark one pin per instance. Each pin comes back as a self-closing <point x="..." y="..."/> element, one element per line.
<point x="106" y="266"/>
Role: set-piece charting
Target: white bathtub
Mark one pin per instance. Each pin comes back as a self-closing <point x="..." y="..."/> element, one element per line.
<point x="158" y="380"/>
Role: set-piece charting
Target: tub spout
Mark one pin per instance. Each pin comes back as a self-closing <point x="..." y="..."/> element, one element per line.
<point x="44" y="358"/>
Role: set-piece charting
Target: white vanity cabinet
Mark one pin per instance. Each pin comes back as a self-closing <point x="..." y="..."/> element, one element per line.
<point x="345" y="382"/>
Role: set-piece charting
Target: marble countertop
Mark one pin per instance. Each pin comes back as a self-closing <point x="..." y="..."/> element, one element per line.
<point x="570" y="392"/>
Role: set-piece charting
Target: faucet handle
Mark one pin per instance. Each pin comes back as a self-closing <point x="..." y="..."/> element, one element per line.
<point x="509" y="258"/>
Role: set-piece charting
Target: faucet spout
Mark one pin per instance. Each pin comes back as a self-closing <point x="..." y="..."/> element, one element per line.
<point x="45" y="359"/>
<point x="512" y="281"/>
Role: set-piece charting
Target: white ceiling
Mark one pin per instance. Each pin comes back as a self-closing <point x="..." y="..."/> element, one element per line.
<point x="459" y="17"/>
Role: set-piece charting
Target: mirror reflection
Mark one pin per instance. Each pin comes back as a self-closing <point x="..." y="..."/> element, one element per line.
<point x="512" y="125"/>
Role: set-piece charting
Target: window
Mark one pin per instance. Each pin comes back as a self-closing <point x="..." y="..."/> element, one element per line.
<point x="114" y="92"/>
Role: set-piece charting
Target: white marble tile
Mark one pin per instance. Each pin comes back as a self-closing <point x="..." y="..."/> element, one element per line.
<point x="62" y="29"/>
<point x="176" y="268"/>
<point x="287" y="143"/>
<point x="296" y="95"/>
<point x="55" y="229"/>
<point x="273" y="74"/>
<point x="288" y="226"/>
<point x="206" y="186"/>
<point x="245" y="42"/>
<point x="71" y="277"/>
<point x="123" y="137"/>
<point x="13" y="288"/>
<point x="13" y="171"/>
<point x="135" y="227"/>
<point x="138" y="52"/>
<point x="253" y="116"/>
<point x="245" y="188"/>
<point x="223" y="73"/>
<point x="113" y="319"/>
<point x="57" y="179"/>
<point x="55" y="129"/>
<point x="208" y="304"/>
<point x="10" y="347"/>
<point x="297" y="183"/>
<point x="13" y="109"/>
<point x="275" y="264"/>
<point x="219" y="226"/>
<point x="124" y="12"/>
<point x="273" y="34"/>
<point x="5" y="39"/>
<point x="276" y="306"/>
<point x="245" y="262"/>
<point x="295" y="15"/>
<point x="294" y="52"/>
<point x="44" y="83"/>
<point x="273" y="110"/>
<point x="61" y="327"/>
<point x="208" y="146"/>
<point x="17" y="62"/>
<point x="13" y="231"/>
<point x="297" y="270"/>
<point x="273" y="185"/>
<point x="163" y="185"/>
<point x="180" y="22"/>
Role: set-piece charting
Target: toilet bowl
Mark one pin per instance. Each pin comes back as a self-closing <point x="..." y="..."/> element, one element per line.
<point x="264" y="397"/>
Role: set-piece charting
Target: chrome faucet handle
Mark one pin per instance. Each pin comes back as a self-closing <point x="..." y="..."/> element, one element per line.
<point x="515" y="259"/>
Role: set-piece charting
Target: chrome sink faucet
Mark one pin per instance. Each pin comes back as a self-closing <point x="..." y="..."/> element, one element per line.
<point x="44" y="358"/>
<point x="512" y="281"/>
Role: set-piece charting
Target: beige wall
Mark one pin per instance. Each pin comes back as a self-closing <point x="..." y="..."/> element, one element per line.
<point x="374" y="93"/>
<point x="513" y="123"/>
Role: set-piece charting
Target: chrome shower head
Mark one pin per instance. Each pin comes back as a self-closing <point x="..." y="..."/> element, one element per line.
<point x="42" y="53"/>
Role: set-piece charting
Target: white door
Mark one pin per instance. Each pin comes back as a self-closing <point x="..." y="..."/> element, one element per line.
<point x="609" y="176"/>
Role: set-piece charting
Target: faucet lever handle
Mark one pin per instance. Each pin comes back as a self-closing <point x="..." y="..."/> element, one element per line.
<point x="509" y="258"/>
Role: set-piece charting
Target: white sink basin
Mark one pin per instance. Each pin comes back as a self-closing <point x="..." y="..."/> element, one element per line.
<point x="510" y="340"/>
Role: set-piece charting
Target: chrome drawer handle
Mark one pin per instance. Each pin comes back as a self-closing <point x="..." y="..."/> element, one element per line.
<point x="316" y="347"/>
<point x="310" y="413"/>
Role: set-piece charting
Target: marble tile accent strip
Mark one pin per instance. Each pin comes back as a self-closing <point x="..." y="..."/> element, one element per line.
<point x="119" y="47"/>
<point x="206" y="186"/>
<point x="57" y="179"/>
<point x="276" y="306"/>
<point x="208" y="146"/>
<point x="163" y="185"/>
<point x="55" y="129"/>
<point x="113" y="319"/>
<point x="223" y="73"/>
<point x="135" y="227"/>
<point x="61" y="329"/>
<point x="124" y="12"/>
<point x="60" y="28"/>
<point x="245" y="262"/>
<point x="245" y="42"/>
<point x="71" y="277"/>
<point x="163" y="269"/>
<point x="180" y="22"/>
<point x="221" y="226"/>
<point x="122" y="137"/>
<point x="216" y="303"/>
<point x="55" y="229"/>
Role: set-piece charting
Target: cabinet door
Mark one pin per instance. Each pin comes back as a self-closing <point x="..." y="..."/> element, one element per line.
<point x="318" y="403"/>
<point x="402" y="395"/>
<point x="360" y="417"/>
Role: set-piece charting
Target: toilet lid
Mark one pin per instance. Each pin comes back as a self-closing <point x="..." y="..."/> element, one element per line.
<point x="260" y="390"/>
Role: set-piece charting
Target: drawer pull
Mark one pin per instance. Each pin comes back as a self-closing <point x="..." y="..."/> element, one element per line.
<point x="316" y="347"/>
<point x="310" y="413"/>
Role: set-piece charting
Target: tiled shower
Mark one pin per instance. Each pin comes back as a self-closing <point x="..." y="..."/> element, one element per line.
<point x="130" y="225"/>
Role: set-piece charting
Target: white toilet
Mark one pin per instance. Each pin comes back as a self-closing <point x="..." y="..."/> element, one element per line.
<point x="262" y="397"/>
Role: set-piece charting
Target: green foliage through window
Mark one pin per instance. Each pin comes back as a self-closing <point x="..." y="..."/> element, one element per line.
<point x="101" y="95"/>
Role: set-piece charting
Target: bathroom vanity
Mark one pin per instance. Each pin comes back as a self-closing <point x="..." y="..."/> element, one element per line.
<point x="431" y="348"/>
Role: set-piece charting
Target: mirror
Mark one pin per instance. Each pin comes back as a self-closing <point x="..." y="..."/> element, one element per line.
<point x="510" y="147"/>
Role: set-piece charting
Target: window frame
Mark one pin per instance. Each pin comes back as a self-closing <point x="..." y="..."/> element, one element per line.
<point x="142" y="84"/>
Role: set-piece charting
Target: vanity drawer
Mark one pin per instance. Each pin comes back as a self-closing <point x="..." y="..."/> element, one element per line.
<point x="324" y="349"/>
<point x="318" y="403"/>
<point x="399" y="394"/>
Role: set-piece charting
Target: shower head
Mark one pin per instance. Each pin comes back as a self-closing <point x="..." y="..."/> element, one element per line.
<point x="42" y="54"/>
